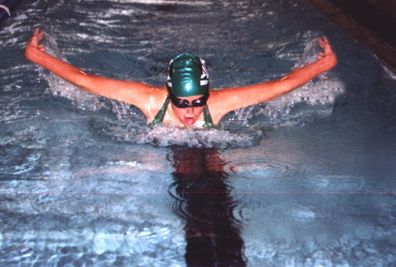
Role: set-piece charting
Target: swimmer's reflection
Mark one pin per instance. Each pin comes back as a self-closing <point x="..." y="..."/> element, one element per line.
<point x="203" y="200"/>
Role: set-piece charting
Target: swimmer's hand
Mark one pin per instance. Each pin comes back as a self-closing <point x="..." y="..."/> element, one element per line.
<point x="327" y="57"/>
<point x="33" y="46"/>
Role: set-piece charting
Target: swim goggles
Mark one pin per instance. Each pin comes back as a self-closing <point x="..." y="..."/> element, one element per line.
<point x="184" y="103"/>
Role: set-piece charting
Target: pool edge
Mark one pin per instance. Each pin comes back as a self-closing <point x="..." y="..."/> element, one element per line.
<point x="385" y="52"/>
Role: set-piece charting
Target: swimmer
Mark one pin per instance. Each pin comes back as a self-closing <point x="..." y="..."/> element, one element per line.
<point x="185" y="100"/>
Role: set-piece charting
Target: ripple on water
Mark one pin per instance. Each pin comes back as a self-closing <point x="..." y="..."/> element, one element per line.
<point x="17" y="252"/>
<point x="104" y="241"/>
<point x="347" y="251"/>
<point x="260" y="169"/>
<point x="303" y="214"/>
<point x="18" y="161"/>
<point x="11" y="113"/>
<point x="104" y="246"/>
<point x="337" y="183"/>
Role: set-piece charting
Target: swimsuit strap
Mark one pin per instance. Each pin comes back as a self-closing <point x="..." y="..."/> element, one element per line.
<point x="207" y="118"/>
<point x="161" y="114"/>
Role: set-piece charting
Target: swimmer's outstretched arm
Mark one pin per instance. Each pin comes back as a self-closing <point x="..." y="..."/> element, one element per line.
<point x="229" y="99"/>
<point x="134" y="93"/>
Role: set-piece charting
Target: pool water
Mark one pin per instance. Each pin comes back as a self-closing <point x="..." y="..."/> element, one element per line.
<point x="305" y="180"/>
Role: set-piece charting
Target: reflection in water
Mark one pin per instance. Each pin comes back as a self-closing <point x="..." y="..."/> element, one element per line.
<point x="203" y="200"/>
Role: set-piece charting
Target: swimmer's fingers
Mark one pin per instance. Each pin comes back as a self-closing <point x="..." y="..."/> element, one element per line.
<point x="323" y="41"/>
<point x="37" y="36"/>
<point x="35" y="40"/>
<point x="325" y="45"/>
<point x="33" y="45"/>
<point x="327" y="52"/>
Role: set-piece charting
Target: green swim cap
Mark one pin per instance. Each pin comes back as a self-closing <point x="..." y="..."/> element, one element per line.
<point x="187" y="76"/>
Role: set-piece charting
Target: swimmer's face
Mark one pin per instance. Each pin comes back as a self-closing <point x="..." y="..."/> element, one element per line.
<point x="188" y="115"/>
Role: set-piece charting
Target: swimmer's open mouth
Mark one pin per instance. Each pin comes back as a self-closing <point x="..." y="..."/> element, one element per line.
<point x="189" y="120"/>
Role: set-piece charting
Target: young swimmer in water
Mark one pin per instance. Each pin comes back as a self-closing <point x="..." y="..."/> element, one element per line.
<point x="185" y="100"/>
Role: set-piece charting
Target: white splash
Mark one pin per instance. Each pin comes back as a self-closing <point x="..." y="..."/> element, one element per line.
<point x="166" y="136"/>
<point x="389" y="72"/>
<point x="6" y="9"/>
<point x="321" y="92"/>
<point x="60" y="87"/>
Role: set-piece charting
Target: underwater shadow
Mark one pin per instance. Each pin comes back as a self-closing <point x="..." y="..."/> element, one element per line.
<point x="202" y="199"/>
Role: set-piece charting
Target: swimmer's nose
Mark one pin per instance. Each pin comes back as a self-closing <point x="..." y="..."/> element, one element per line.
<point x="190" y="110"/>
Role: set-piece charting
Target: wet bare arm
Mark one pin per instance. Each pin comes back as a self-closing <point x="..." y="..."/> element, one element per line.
<point x="223" y="101"/>
<point x="134" y="93"/>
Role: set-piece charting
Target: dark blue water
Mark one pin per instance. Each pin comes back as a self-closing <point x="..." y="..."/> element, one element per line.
<point x="306" y="180"/>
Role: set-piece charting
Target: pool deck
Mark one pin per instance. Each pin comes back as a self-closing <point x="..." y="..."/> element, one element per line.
<point x="372" y="22"/>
